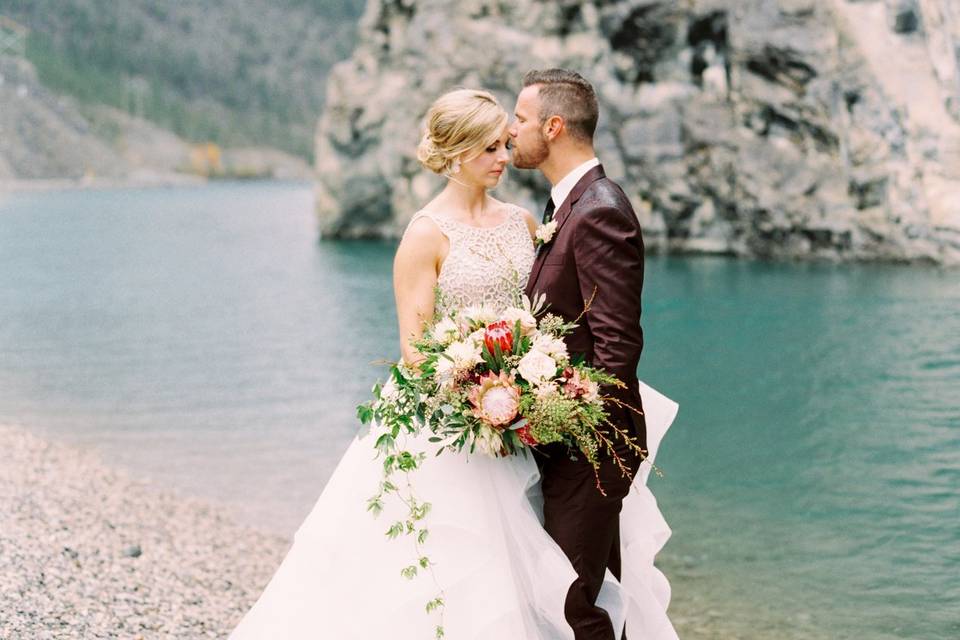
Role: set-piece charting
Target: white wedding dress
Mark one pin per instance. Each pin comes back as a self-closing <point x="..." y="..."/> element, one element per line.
<point x="502" y="575"/>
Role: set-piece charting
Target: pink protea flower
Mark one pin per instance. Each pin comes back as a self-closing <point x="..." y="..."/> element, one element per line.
<point x="496" y="399"/>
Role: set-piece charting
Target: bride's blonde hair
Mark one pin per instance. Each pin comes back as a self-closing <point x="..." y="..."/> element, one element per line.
<point x="458" y="122"/>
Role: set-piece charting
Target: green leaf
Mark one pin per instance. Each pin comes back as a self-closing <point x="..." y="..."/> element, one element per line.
<point x="518" y="424"/>
<point x="487" y="359"/>
<point x="388" y="464"/>
<point x="406" y="461"/>
<point x="365" y="413"/>
<point x="424" y="562"/>
<point x="384" y="443"/>
<point x="497" y="357"/>
<point x="422" y="536"/>
<point x="409" y="572"/>
<point x="395" y="530"/>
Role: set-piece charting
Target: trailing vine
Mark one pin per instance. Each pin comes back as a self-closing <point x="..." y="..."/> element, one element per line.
<point x="399" y="418"/>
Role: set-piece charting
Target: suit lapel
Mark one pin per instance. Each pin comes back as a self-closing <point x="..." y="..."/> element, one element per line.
<point x="561" y="216"/>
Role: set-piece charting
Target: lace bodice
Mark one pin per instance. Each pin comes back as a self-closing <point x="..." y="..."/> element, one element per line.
<point x="485" y="265"/>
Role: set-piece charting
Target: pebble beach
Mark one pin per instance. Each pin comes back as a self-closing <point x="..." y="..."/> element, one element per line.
<point x="86" y="551"/>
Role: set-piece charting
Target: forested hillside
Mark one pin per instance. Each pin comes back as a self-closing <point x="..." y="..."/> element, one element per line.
<point x="235" y="72"/>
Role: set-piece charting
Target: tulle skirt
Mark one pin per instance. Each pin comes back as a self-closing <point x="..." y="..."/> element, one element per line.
<point x="501" y="574"/>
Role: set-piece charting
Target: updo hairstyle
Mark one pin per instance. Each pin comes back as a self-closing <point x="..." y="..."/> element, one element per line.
<point x="458" y="122"/>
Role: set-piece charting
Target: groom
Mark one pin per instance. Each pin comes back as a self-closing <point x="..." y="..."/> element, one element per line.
<point x="595" y="251"/>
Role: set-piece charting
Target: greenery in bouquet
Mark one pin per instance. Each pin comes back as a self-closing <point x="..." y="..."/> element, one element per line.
<point x="504" y="381"/>
<point x="499" y="382"/>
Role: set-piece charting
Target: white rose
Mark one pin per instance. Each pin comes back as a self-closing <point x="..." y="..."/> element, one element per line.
<point x="527" y="322"/>
<point x="480" y="313"/>
<point x="545" y="231"/>
<point x="445" y="371"/>
<point x="537" y="367"/>
<point x="446" y="331"/>
<point x="463" y="354"/>
<point x="476" y="338"/>
<point x="554" y="347"/>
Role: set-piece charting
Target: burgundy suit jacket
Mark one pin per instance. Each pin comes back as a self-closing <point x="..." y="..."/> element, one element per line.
<point x="598" y="246"/>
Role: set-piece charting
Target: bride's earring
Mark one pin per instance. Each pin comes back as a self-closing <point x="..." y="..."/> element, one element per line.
<point x="455" y="168"/>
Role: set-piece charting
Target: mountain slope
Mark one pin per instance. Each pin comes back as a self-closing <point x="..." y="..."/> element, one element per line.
<point x="235" y="72"/>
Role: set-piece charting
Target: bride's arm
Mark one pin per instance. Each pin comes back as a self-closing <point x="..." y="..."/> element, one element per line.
<point x="415" y="269"/>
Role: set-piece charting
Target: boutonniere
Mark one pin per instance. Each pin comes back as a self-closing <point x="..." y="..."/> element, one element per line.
<point x="545" y="232"/>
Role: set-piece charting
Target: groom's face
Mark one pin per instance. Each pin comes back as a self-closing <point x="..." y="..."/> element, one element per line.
<point x="530" y="147"/>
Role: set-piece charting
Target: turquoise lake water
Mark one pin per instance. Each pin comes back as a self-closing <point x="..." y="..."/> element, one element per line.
<point x="204" y="338"/>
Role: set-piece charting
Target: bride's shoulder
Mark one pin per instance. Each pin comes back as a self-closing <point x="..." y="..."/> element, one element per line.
<point x="425" y="224"/>
<point x="521" y="213"/>
<point x="432" y="214"/>
<point x="422" y="242"/>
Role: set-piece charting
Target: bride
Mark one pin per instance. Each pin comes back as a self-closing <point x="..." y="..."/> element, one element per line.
<point x="502" y="576"/>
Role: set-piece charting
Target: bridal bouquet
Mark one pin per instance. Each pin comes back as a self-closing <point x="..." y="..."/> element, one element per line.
<point x="498" y="383"/>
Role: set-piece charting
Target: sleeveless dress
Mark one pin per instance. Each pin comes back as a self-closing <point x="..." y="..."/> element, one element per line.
<point x="502" y="575"/>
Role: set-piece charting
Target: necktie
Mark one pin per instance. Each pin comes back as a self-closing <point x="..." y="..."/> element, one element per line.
<point x="548" y="211"/>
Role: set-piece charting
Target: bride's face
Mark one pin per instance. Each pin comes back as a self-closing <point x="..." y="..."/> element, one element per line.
<point x="486" y="166"/>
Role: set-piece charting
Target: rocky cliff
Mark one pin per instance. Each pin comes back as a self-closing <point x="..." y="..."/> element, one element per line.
<point x="781" y="128"/>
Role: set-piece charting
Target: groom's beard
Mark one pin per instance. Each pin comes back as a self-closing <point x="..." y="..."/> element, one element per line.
<point x="532" y="158"/>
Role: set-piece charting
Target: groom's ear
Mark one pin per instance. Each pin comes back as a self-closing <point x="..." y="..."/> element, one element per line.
<point x="552" y="127"/>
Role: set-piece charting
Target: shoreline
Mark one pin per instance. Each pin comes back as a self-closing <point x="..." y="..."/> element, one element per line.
<point x="87" y="551"/>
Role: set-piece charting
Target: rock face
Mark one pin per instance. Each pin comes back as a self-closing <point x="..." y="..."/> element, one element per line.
<point x="781" y="128"/>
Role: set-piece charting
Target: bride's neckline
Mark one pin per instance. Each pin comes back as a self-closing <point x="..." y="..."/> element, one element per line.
<point x="506" y="219"/>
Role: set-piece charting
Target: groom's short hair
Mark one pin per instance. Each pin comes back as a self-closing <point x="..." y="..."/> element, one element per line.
<point x="569" y="95"/>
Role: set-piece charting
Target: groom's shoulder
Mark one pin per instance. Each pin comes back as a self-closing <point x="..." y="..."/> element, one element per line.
<point x="604" y="193"/>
